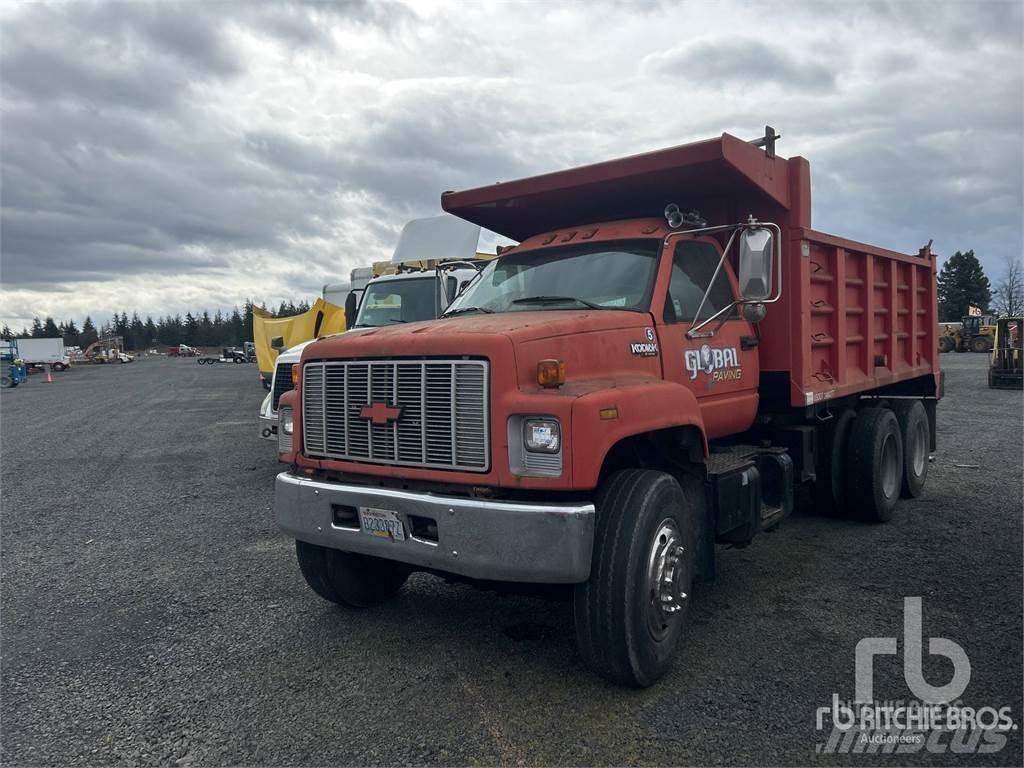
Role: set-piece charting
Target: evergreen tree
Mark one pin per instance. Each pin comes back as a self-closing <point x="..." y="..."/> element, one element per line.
<point x="205" y="331"/>
<point x="190" y="331"/>
<point x="137" y="333"/>
<point x="88" y="334"/>
<point x="38" y="330"/>
<point x="149" y="328"/>
<point x="6" y="332"/>
<point x="235" y="323"/>
<point x="247" y="316"/>
<point x="962" y="284"/>
<point x="71" y="334"/>
<point x="50" y="329"/>
<point x="119" y="325"/>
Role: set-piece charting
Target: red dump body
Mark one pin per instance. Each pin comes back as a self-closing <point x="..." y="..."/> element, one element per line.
<point x="852" y="317"/>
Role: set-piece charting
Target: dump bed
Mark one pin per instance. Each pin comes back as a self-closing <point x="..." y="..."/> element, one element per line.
<point x="852" y="317"/>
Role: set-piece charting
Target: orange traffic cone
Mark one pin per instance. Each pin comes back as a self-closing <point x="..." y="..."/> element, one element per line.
<point x="49" y="378"/>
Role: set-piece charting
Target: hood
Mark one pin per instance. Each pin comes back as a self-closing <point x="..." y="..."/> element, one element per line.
<point x="591" y="342"/>
<point x="517" y="326"/>
<point x="292" y="354"/>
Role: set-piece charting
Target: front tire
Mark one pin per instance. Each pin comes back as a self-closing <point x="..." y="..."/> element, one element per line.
<point x="630" y="613"/>
<point x="876" y="464"/>
<point x="981" y="344"/>
<point x="345" y="578"/>
<point x="945" y="344"/>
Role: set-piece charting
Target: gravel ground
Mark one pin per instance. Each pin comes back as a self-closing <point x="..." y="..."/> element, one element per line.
<point x="152" y="614"/>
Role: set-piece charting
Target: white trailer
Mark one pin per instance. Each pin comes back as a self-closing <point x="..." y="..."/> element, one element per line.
<point x="40" y="352"/>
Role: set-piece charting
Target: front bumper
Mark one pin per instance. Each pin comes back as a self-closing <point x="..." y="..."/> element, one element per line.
<point x="477" y="538"/>
<point x="268" y="427"/>
<point x="267" y="420"/>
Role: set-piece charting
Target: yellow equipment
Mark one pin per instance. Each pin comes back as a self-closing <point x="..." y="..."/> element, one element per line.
<point x="1007" y="368"/>
<point x="322" y="319"/>
<point x="974" y="333"/>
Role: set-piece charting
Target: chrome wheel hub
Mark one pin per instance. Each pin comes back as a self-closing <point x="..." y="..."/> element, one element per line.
<point x="666" y="577"/>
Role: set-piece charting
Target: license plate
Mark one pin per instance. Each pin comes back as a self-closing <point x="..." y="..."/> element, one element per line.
<point x="381" y="522"/>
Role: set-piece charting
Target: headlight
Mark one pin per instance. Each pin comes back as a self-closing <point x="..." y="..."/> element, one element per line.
<point x="542" y="435"/>
<point x="284" y="431"/>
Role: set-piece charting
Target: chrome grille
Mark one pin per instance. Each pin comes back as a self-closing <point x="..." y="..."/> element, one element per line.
<point x="443" y="422"/>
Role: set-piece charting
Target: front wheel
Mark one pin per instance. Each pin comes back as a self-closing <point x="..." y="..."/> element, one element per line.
<point x="345" y="578"/>
<point x="945" y="344"/>
<point x="630" y="613"/>
<point x="981" y="344"/>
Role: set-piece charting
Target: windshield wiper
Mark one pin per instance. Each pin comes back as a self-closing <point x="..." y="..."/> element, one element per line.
<point x="382" y="325"/>
<point x="557" y="299"/>
<point x="460" y="310"/>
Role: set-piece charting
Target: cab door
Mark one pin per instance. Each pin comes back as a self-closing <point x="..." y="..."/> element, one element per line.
<point x="720" y="363"/>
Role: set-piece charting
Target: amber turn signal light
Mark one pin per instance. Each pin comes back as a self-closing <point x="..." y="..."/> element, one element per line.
<point x="551" y="373"/>
<point x="296" y="372"/>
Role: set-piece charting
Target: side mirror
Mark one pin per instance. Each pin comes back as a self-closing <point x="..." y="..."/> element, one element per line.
<point x="756" y="264"/>
<point x="277" y="342"/>
<point x="351" y="308"/>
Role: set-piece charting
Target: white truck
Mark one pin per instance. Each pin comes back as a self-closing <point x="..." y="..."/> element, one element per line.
<point x="434" y="259"/>
<point x="406" y="296"/>
<point x="40" y="352"/>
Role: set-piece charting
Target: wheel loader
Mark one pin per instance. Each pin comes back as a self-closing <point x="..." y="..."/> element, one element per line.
<point x="974" y="333"/>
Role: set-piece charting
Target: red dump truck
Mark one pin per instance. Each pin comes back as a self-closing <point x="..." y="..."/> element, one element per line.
<point x="667" y="354"/>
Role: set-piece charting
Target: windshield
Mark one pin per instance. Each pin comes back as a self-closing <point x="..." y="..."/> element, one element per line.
<point x="609" y="275"/>
<point x="387" y="302"/>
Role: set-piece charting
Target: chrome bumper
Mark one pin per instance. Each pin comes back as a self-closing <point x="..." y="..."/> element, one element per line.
<point x="496" y="540"/>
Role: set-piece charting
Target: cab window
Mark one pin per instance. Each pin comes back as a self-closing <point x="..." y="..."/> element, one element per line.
<point x="693" y="264"/>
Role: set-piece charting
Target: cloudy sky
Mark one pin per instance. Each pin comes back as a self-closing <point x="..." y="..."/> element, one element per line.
<point x="171" y="156"/>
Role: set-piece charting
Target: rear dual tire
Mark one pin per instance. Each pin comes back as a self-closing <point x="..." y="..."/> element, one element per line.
<point x="830" y="493"/>
<point x="875" y="469"/>
<point x="870" y="458"/>
<point x="915" y="430"/>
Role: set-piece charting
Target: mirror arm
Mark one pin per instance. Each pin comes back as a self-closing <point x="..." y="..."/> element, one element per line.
<point x="693" y="333"/>
<point x="711" y="283"/>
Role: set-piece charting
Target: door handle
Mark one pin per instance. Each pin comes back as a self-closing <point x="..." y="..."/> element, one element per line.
<point x="749" y="342"/>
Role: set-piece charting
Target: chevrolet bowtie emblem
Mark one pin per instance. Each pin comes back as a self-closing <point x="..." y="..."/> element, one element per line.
<point x="380" y="413"/>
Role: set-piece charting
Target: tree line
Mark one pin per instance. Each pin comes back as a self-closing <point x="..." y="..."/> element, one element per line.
<point x="221" y="329"/>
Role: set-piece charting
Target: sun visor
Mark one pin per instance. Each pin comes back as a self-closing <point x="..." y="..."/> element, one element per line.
<point x="439" y="238"/>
